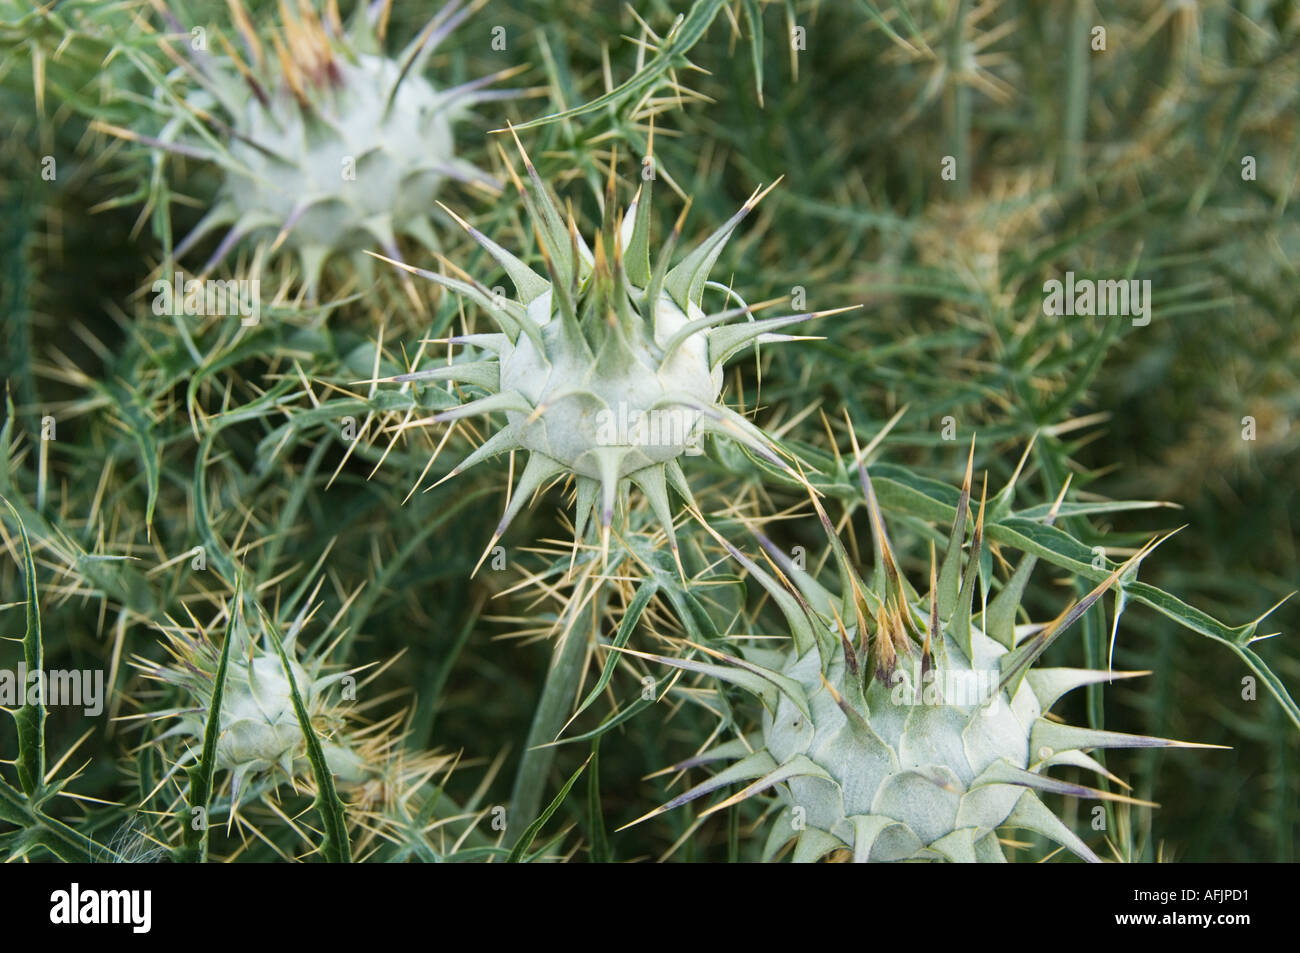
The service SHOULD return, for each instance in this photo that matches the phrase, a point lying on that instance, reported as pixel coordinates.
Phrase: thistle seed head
(925, 747)
(608, 367)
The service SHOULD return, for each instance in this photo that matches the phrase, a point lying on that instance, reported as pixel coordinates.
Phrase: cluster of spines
(883, 640)
(307, 50)
(593, 293)
(393, 790)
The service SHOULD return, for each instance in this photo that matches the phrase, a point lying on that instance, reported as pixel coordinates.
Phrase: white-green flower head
(327, 145)
(608, 368)
(259, 736)
(258, 722)
(894, 727)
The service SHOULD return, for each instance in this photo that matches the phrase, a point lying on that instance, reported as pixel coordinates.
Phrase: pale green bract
(609, 369)
(894, 728)
(342, 183)
(259, 736)
(329, 147)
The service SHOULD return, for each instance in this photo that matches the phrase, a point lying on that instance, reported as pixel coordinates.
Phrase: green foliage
(173, 477)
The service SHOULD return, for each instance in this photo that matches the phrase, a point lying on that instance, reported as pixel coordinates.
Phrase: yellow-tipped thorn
(454, 471)
(392, 261)
(459, 221)
(528, 163)
(491, 543)
(677, 558)
(514, 176)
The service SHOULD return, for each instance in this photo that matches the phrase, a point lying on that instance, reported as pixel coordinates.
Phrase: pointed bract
(610, 369)
(932, 745)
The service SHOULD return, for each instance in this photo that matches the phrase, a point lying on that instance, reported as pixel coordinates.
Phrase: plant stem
(959, 116)
(553, 708)
(1074, 119)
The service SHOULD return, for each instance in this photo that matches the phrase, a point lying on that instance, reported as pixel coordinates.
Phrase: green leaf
(628, 623)
(1066, 510)
(596, 816)
(335, 846)
(195, 841)
(526, 840)
(754, 16)
(37, 829)
(30, 718)
(670, 56)
(142, 432)
(613, 721)
(563, 678)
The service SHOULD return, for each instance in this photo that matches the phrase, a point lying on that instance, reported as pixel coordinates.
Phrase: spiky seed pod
(894, 727)
(260, 738)
(326, 145)
(609, 368)
(391, 791)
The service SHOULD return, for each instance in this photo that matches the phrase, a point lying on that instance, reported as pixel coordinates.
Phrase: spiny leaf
(631, 616)
(195, 838)
(334, 845)
(526, 840)
(30, 718)
(900, 490)
(670, 56)
(595, 815)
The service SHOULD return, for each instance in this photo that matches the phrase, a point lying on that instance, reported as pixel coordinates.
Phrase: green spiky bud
(896, 728)
(258, 723)
(608, 368)
(259, 736)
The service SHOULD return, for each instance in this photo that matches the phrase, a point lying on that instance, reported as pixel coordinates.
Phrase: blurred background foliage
(1124, 160)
